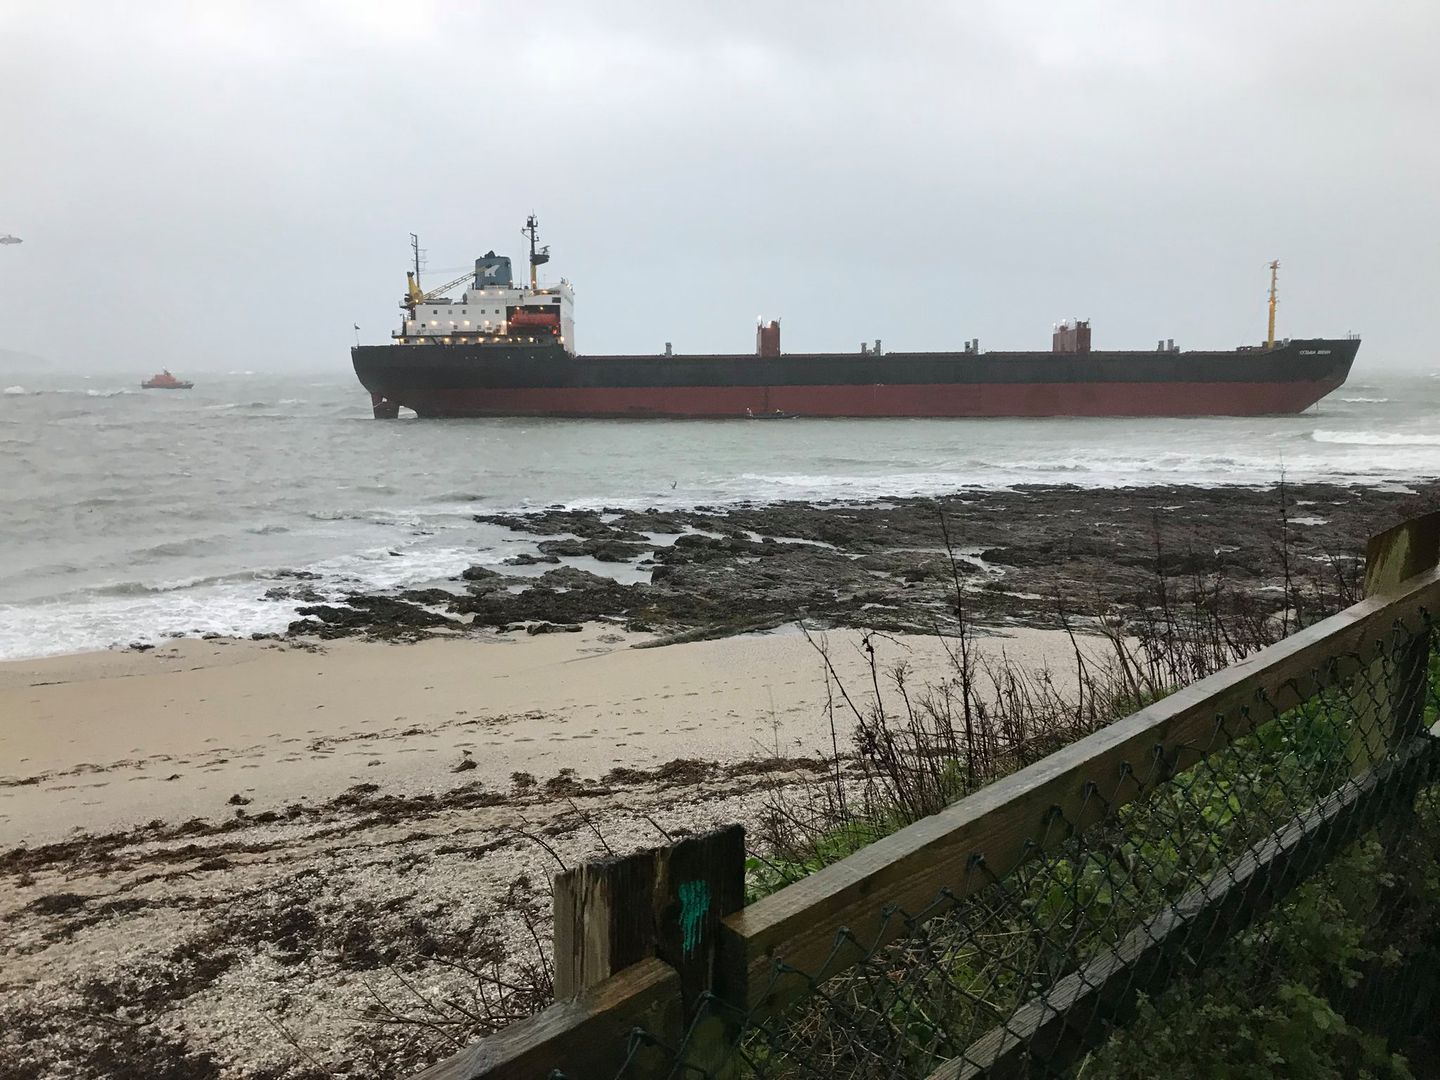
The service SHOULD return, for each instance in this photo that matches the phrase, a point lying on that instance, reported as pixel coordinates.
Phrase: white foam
(377, 568)
(95, 623)
(15, 391)
(233, 605)
(1375, 438)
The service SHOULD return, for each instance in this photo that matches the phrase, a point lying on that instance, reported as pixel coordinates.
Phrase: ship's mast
(537, 255)
(414, 295)
(1274, 271)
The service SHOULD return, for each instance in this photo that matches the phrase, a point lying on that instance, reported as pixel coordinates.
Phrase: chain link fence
(1184, 863)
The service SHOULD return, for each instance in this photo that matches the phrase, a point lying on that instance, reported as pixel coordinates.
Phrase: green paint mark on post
(694, 905)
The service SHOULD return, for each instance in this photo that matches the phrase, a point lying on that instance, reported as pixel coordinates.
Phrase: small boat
(776, 414)
(165, 381)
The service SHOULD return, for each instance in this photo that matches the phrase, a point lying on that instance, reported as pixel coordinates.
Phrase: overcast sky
(220, 185)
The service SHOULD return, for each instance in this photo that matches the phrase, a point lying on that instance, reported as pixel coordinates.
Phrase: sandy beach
(217, 840)
(107, 741)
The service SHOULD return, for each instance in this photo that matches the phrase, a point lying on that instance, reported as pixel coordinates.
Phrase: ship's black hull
(526, 380)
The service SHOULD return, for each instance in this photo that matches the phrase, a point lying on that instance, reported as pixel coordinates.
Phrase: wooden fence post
(586, 1037)
(1389, 695)
(661, 902)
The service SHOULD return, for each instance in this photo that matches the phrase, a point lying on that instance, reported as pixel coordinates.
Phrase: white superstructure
(493, 310)
(484, 316)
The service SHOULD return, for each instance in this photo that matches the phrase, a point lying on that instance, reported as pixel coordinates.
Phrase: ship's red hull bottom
(942, 400)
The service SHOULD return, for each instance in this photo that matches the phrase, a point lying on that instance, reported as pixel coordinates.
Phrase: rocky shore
(1021, 555)
(265, 860)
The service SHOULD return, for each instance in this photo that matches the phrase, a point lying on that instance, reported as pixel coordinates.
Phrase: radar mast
(537, 255)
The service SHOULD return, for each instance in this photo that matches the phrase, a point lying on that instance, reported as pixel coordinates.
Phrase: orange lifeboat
(165, 381)
(531, 319)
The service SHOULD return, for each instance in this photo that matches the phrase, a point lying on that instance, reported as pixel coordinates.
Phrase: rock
(432, 597)
(553, 628)
(569, 547)
(652, 521)
(695, 548)
(606, 550)
(380, 616)
(918, 565)
(541, 604)
(304, 593)
(480, 573)
(526, 558)
(582, 523)
(619, 550)
(571, 577)
(884, 565)
(1016, 556)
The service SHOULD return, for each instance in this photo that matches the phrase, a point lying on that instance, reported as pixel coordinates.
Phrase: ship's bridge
(494, 311)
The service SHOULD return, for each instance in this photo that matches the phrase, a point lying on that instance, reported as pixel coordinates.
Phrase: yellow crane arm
(414, 297)
(435, 294)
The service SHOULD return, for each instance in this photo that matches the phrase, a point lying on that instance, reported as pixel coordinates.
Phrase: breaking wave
(147, 588)
(18, 391)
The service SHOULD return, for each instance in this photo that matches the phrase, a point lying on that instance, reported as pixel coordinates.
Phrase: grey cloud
(226, 185)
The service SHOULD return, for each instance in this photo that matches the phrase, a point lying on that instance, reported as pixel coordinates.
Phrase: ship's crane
(1274, 273)
(414, 297)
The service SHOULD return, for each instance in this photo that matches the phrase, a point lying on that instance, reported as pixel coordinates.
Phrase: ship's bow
(1330, 361)
(372, 364)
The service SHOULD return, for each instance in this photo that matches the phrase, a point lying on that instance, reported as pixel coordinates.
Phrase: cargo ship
(507, 348)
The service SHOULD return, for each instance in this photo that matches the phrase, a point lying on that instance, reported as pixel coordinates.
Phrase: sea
(128, 516)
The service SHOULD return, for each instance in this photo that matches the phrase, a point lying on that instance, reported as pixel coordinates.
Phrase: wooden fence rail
(638, 939)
